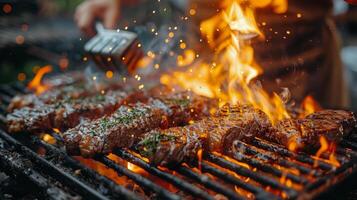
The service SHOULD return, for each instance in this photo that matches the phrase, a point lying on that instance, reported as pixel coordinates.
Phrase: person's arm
(106, 11)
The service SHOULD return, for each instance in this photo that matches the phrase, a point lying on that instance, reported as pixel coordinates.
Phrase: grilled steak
(30, 119)
(129, 123)
(216, 133)
(63, 114)
(305, 133)
(49, 97)
(78, 90)
(59, 84)
(345, 119)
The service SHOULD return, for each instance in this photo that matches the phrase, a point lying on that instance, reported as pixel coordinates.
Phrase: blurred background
(34, 33)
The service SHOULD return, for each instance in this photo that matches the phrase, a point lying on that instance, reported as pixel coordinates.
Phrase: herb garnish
(126, 118)
(182, 101)
(148, 146)
(100, 97)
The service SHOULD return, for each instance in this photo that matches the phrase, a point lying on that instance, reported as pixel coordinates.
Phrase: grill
(31, 167)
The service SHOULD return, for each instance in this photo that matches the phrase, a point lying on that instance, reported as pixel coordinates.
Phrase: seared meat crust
(334, 125)
(55, 94)
(64, 114)
(216, 133)
(49, 97)
(129, 123)
(117, 130)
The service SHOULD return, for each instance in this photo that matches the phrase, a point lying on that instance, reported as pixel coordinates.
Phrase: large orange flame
(229, 76)
(36, 84)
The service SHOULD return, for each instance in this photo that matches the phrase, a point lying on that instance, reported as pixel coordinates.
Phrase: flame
(333, 160)
(56, 130)
(186, 59)
(323, 148)
(283, 178)
(330, 149)
(308, 106)
(49, 139)
(103, 170)
(292, 145)
(229, 76)
(36, 84)
(332, 157)
(135, 168)
(279, 6)
(242, 164)
(199, 157)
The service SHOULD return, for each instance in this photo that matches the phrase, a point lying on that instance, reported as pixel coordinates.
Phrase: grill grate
(55, 173)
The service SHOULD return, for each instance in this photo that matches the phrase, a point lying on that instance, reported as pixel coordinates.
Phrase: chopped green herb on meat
(107, 123)
(148, 146)
(181, 102)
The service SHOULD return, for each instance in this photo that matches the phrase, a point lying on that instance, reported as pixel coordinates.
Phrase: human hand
(86, 14)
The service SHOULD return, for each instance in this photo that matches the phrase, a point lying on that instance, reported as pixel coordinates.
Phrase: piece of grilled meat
(130, 122)
(49, 97)
(117, 130)
(61, 85)
(334, 125)
(65, 113)
(216, 133)
(78, 90)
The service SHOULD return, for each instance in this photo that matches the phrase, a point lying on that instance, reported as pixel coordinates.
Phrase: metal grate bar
(2, 118)
(284, 152)
(267, 168)
(115, 188)
(19, 87)
(258, 192)
(266, 155)
(248, 173)
(349, 144)
(5, 99)
(8, 91)
(330, 177)
(207, 182)
(11, 162)
(187, 187)
(56, 136)
(140, 180)
(53, 170)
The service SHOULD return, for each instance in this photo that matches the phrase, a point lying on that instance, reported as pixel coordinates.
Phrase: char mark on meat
(334, 125)
(117, 130)
(63, 114)
(78, 90)
(49, 97)
(216, 133)
(127, 124)
(59, 84)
